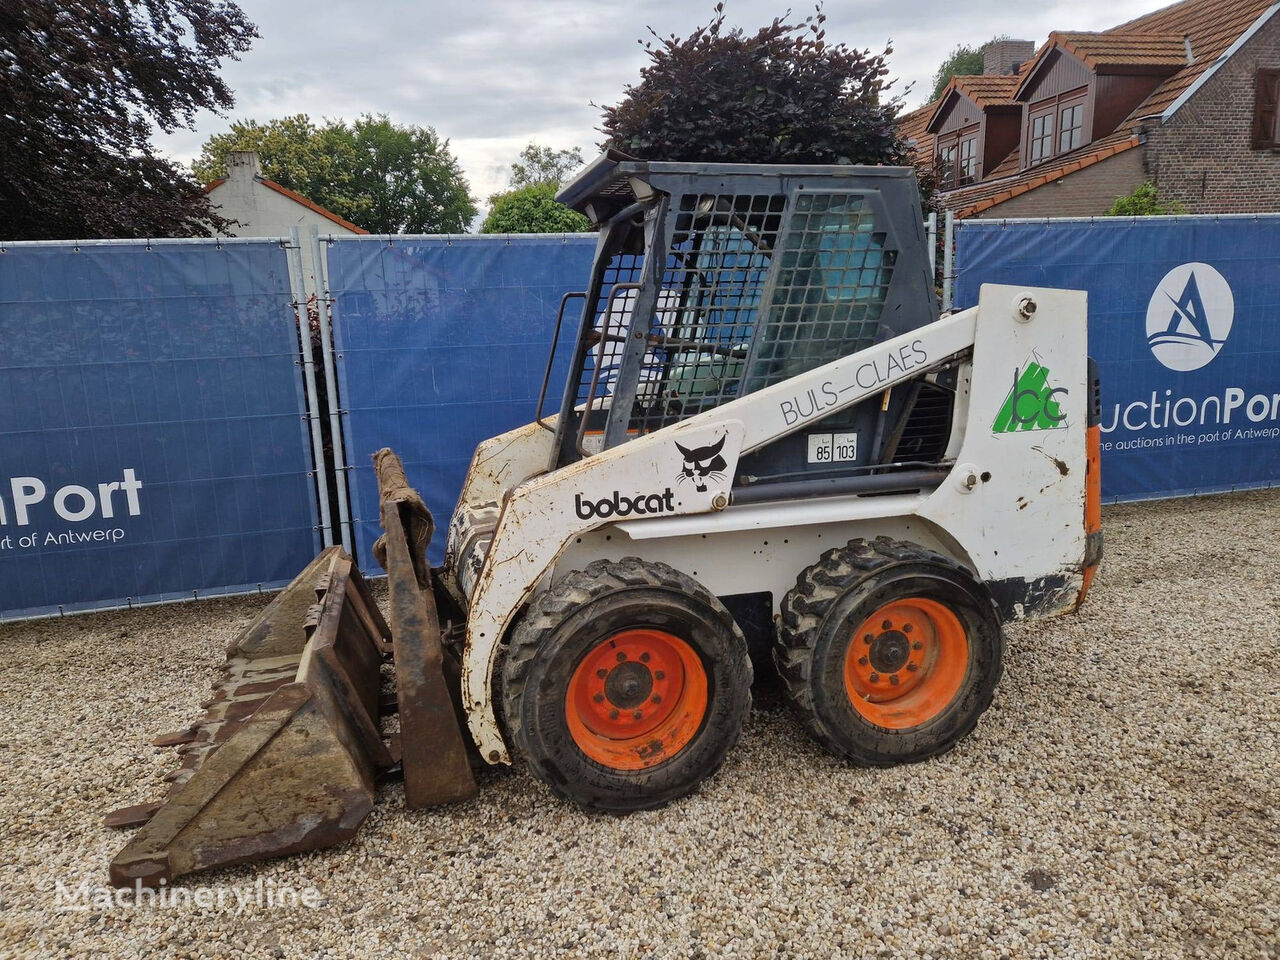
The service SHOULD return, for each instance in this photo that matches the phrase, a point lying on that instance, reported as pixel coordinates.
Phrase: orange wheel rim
(905, 663)
(636, 699)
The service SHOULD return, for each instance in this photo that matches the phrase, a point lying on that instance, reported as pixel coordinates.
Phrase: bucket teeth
(285, 754)
(134, 816)
(175, 738)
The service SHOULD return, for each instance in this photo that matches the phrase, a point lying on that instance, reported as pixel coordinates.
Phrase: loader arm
(545, 515)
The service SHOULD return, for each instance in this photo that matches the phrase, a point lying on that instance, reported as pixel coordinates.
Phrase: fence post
(324, 304)
(931, 229)
(948, 260)
(297, 284)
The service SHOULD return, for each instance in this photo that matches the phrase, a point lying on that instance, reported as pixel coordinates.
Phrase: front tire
(625, 685)
(889, 652)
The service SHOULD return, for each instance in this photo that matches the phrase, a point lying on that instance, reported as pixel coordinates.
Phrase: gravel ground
(1118, 799)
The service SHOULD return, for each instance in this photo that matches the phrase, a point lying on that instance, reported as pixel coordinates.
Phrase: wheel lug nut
(602, 674)
(613, 714)
(659, 675)
(644, 658)
(621, 656)
(874, 678)
(894, 680)
(917, 645)
(862, 661)
(887, 625)
(656, 699)
(599, 698)
(638, 715)
(913, 666)
(868, 638)
(907, 628)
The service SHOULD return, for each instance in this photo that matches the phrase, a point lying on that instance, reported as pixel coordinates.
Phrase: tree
(382, 176)
(963, 61)
(532, 209)
(529, 205)
(780, 95)
(81, 85)
(1144, 201)
(317, 162)
(537, 165)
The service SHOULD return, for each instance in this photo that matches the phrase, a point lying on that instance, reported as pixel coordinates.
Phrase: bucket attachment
(286, 756)
(433, 751)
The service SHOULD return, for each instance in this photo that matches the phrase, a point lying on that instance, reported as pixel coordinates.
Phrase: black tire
(575, 619)
(836, 595)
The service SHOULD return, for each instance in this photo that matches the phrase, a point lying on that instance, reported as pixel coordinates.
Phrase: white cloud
(493, 75)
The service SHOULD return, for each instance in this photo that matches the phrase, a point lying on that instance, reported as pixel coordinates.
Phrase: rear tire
(889, 652)
(625, 685)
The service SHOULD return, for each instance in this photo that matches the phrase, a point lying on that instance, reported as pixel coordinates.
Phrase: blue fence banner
(441, 344)
(153, 444)
(1184, 321)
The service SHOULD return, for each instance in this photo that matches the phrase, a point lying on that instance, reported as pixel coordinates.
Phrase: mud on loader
(766, 434)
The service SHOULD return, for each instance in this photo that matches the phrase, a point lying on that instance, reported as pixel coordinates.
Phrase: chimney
(243, 165)
(1003, 57)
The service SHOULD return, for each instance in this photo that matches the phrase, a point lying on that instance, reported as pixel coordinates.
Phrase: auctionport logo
(1189, 317)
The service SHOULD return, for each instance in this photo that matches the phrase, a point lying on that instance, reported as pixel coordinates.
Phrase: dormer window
(975, 126)
(1041, 144)
(967, 160)
(1071, 126)
(958, 159)
(1056, 126)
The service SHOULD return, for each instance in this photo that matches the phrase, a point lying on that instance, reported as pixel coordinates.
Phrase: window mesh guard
(706, 346)
(717, 267)
(613, 318)
(833, 277)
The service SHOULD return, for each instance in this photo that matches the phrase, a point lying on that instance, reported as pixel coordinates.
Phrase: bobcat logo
(701, 463)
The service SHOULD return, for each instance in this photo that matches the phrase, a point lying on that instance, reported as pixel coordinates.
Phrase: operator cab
(711, 281)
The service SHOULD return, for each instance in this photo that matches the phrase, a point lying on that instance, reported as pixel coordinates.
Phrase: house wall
(1085, 193)
(1061, 73)
(263, 212)
(1117, 96)
(1002, 134)
(961, 112)
(1202, 156)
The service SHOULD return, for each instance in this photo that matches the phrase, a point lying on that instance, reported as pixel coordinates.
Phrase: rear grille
(928, 429)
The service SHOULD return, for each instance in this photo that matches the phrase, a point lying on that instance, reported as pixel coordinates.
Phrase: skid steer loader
(766, 430)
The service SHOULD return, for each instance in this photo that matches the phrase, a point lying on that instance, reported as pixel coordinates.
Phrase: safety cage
(711, 281)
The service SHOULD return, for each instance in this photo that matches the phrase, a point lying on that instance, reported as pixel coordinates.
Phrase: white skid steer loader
(767, 438)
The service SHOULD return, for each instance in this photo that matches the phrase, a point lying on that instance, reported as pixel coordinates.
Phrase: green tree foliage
(81, 84)
(379, 175)
(529, 206)
(1144, 201)
(537, 165)
(963, 61)
(780, 95)
(532, 209)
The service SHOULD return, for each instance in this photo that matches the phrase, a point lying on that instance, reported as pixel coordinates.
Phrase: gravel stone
(1119, 799)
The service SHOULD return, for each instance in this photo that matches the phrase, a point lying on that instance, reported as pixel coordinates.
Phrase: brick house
(1185, 97)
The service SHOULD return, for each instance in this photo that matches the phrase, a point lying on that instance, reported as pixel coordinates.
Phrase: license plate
(833, 447)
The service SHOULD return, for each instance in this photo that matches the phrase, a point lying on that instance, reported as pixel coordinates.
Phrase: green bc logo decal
(1032, 404)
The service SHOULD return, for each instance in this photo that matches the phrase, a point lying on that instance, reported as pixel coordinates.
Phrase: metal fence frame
(298, 296)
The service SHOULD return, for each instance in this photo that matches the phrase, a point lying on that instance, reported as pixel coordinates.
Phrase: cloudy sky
(493, 75)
